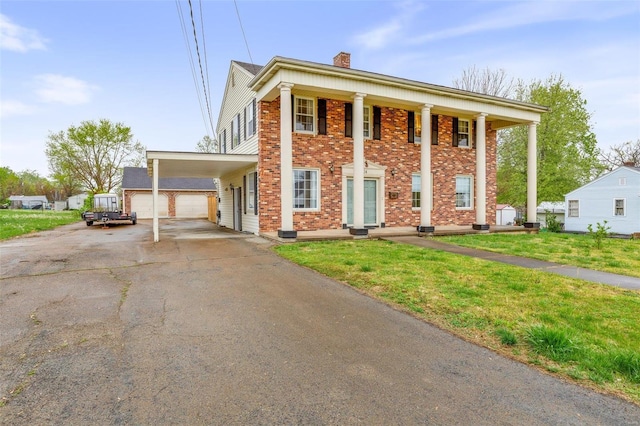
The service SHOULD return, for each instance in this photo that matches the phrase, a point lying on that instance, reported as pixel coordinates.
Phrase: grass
(20, 222)
(578, 330)
(618, 256)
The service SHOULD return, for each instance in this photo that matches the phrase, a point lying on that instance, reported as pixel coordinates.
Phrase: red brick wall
(392, 151)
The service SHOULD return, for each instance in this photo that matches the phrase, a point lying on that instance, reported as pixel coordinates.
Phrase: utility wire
(193, 70)
(204, 87)
(204, 48)
(243, 35)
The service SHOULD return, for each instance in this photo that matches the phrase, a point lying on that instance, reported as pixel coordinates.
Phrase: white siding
(237, 96)
(596, 203)
(250, 221)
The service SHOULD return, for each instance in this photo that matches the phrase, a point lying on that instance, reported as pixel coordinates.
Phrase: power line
(243, 35)
(204, 87)
(192, 65)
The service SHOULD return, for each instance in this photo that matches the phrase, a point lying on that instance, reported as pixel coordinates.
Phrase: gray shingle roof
(137, 178)
(252, 68)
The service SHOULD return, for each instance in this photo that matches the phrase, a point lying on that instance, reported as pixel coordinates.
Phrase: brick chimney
(342, 60)
(629, 164)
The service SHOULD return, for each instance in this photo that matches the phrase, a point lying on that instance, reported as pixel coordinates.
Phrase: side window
(250, 121)
(464, 195)
(250, 193)
(574, 208)
(415, 190)
(619, 207)
(366, 122)
(235, 131)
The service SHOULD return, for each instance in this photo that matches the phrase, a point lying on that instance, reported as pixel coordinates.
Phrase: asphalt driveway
(210, 327)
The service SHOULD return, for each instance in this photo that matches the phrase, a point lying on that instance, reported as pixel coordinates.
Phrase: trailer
(106, 210)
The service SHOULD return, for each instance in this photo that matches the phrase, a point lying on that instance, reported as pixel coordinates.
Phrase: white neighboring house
(555, 208)
(505, 214)
(614, 197)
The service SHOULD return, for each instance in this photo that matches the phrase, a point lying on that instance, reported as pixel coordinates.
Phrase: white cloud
(388, 33)
(53, 88)
(19, 39)
(10, 107)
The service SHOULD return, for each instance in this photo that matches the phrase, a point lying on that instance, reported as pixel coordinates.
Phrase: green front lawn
(616, 255)
(19, 222)
(579, 330)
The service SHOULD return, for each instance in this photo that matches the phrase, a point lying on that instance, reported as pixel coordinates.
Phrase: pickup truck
(106, 210)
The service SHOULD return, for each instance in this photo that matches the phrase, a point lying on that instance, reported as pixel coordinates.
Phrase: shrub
(601, 232)
(553, 225)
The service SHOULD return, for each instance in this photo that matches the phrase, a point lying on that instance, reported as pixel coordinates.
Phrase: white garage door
(142, 204)
(192, 206)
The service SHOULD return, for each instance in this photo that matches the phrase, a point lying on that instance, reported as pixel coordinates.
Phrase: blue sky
(127, 61)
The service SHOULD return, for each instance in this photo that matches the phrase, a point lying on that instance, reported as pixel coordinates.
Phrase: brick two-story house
(309, 146)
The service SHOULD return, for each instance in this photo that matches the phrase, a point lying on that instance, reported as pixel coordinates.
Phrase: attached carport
(190, 165)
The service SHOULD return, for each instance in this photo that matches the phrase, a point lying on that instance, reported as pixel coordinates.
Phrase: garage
(142, 204)
(191, 206)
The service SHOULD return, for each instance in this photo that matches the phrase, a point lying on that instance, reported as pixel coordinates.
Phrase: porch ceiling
(196, 164)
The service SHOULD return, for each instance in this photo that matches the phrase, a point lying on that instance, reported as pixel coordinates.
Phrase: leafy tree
(93, 154)
(486, 81)
(207, 144)
(567, 152)
(627, 152)
(9, 184)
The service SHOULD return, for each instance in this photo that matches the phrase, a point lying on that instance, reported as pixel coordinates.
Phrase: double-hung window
(235, 131)
(223, 142)
(464, 130)
(574, 208)
(366, 118)
(250, 119)
(304, 115)
(619, 207)
(416, 185)
(464, 195)
(305, 189)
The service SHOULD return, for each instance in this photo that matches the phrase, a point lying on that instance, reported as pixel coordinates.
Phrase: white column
(154, 190)
(286, 161)
(481, 170)
(425, 169)
(358, 161)
(532, 173)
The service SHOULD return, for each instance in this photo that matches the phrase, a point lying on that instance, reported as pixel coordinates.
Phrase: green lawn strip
(618, 256)
(584, 331)
(19, 222)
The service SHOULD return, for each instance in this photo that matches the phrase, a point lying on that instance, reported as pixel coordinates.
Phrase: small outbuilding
(552, 208)
(505, 214)
(614, 197)
(177, 197)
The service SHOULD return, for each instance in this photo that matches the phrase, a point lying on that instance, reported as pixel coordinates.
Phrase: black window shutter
(322, 116)
(224, 141)
(377, 118)
(293, 113)
(411, 127)
(455, 131)
(255, 193)
(244, 200)
(255, 117)
(244, 126)
(348, 120)
(472, 134)
(434, 129)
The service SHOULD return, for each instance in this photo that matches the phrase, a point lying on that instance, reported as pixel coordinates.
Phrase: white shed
(614, 197)
(76, 202)
(505, 214)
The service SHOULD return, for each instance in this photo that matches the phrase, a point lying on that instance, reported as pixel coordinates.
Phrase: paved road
(106, 327)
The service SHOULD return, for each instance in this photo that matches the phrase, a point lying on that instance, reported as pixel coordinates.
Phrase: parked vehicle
(106, 210)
